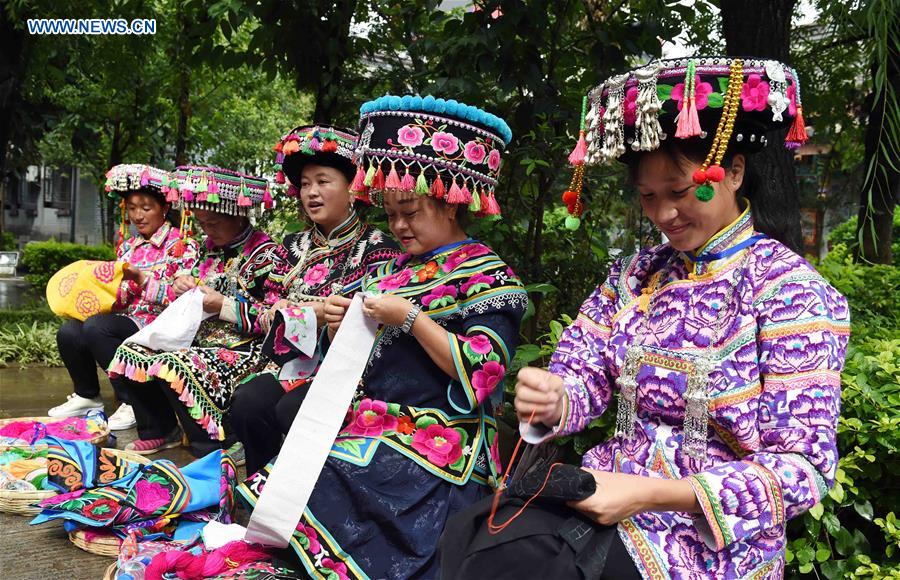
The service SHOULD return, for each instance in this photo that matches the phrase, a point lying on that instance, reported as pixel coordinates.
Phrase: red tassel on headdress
(576, 157)
(407, 183)
(493, 208)
(363, 196)
(279, 177)
(485, 202)
(267, 198)
(797, 133)
(378, 180)
(465, 194)
(278, 147)
(329, 146)
(357, 185)
(393, 179)
(437, 189)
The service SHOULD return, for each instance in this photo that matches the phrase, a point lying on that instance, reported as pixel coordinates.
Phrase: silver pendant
(627, 382)
(696, 417)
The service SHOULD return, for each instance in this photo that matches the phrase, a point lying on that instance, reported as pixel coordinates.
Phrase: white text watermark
(91, 26)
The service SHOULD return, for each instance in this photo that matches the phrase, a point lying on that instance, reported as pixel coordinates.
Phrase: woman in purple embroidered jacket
(234, 263)
(724, 346)
(420, 442)
(328, 258)
(153, 256)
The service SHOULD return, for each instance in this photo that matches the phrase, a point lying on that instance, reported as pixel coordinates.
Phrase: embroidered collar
(158, 238)
(421, 258)
(343, 233)
(726, 241)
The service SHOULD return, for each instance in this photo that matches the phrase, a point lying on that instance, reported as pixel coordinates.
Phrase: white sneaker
(122, 419)
(76, 406)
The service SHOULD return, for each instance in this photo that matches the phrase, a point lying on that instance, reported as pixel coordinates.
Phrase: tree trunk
(762, 29)
(881, 188)
(12, 65)
(184, 90)
(109, 206)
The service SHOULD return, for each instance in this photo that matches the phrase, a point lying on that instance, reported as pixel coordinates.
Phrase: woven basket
(99, 439)
(20, 502)
(111, 572)
(100, 543)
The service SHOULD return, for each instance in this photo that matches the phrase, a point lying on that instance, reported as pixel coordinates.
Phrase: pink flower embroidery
(474, 152)
(701, 93)
(486, 378)
(312, 536)
(339, 568)
(394, 281)
(630, 112)
(444, 142)
(150, 496)
(371, 419)
(280, 346)
(476, 280)
(227, 356)
(62, 498)
(410, 136)
(440, 445)
(755, 94)
(316, 275)
(465, 253)
(495, 452)
(479, 343)
(493, 160)
(441, 295)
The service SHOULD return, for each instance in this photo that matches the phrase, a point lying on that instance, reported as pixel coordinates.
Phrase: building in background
(46, 202)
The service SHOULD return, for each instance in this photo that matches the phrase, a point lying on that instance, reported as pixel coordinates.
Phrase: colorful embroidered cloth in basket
(84, 288)
(157, 500)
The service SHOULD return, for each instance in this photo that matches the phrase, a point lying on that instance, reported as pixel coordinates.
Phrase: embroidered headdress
(219, 190)
(733, 102)
(320, 144)
(127, 177)
(442, 148)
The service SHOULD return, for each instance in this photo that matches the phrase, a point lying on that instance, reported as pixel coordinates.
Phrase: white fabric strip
(313, 432)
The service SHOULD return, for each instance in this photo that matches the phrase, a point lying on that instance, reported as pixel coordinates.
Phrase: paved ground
(44, 551)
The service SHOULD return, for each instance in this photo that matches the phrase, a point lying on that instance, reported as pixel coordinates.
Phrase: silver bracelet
(410, 319)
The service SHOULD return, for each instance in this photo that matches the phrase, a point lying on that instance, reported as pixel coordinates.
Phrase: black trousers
(85, 345)
(261, 414)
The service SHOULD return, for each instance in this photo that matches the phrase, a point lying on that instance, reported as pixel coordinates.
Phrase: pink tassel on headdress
(187, 195)
(393, 179)
(357, 186)
(576, 157)
(314, 144)
(465, 194)
(407, 184)
(267, 198)
(172, 195)
(437, 189)
(145, 177)
(493, 206)
(688, 120)
(279, 177)
(455, 194)
(213, 186)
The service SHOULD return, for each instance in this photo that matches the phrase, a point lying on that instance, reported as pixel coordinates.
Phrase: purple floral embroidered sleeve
(802, 337)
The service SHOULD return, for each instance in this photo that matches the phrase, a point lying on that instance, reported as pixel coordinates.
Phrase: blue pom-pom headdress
(431, 146)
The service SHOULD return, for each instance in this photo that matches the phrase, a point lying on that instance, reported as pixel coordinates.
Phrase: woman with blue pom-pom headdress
(420, 441)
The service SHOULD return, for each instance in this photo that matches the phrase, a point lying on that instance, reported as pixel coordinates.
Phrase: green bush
(7, 242)
(43, 259)
(846, 234)
(27, 316)
(25, 345)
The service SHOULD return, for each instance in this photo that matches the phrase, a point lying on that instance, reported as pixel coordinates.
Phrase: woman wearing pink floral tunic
(724, 346)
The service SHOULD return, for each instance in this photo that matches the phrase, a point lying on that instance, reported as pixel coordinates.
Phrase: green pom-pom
(705, 192)
(573, 223)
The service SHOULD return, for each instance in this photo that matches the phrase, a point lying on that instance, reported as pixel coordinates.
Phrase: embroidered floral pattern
(395, 281)
(441, 445)
(151, 495)
(702, 91)
(410, 135)
(486, 379)
(474, 152)
(316, 275)
(371, 419)
(446, 143)
(755, 94)
(443, 295)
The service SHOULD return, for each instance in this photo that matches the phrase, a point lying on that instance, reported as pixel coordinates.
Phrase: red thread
(205, 565)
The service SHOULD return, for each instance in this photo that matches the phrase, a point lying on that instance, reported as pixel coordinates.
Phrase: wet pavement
(44, 551)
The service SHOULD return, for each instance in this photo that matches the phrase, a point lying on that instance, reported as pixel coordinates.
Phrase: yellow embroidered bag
(84, 288)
